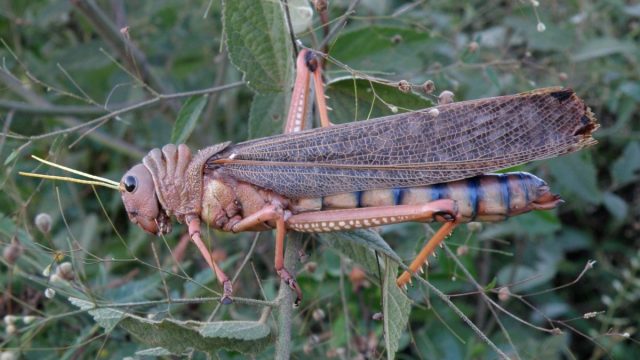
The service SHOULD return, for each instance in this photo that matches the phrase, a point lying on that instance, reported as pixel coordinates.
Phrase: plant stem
(285, 299)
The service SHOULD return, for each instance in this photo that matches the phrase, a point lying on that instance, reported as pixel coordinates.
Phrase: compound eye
(130, 183)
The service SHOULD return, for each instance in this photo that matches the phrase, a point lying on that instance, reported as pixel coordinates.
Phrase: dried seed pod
(12, 252)
(311, 266)
(404, 86)
(43, 222)
(65, 271)
(358, 278)
(428, 87)
(504, 294)
(445, 97)
(318, 315)
(473, 47)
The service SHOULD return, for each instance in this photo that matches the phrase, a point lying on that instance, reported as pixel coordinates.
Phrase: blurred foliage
(65, 63)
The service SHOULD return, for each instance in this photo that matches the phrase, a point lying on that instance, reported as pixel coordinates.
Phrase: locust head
(141, 202)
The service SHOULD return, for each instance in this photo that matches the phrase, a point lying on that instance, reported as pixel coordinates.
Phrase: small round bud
(396, 39)
(473, 47)
(9, 319)
(49, 293)
(65, 271)
(462, 250)
(504, 294)
(563, 76)
(28, 319)
(11, 329)
(56, 279)
(626, 335)
(7, 355)
(434, 112)
(358, 278)
(43, 222)
(377, 316)
(428, 87)
(535, 3)
(12, 252)
(404, 86)
(393, 108)
(541, 27)
(318, 315)
(311, 266)
(320, 5)
(474, 226)
(590, 315)
(445, 97)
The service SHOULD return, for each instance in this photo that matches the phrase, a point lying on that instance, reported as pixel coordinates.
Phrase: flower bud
(318, 315)
(43, 222)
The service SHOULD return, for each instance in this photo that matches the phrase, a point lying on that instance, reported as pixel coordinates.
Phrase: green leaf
(187, 119)
(359, 246)
(576, 174)
(597, 48)
(259, 44)
(156, 351)
(396, 308)
(359, 99)
(626, 168)
(616, 206)
(394, 50)
(268, 114)
(176, 336)
(243, 330)
(105, 317)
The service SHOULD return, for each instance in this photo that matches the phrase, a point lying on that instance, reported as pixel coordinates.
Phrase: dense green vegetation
(172, 71)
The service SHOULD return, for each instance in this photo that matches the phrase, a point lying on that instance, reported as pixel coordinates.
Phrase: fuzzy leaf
(359, 246)
(179, 336)
(259, 44)
(187, 119)
(396, 309)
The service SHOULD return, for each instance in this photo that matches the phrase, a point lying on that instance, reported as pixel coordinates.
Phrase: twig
(49, 109)
(285, 299)
(129, 52)
(137, 106)
(340, 24)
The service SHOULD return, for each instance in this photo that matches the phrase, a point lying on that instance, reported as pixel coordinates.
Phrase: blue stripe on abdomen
(473, 189)
(438, 191)
(505, 193)
(397, 196)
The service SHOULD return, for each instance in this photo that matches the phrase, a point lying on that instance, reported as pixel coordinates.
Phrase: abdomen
(491, 197)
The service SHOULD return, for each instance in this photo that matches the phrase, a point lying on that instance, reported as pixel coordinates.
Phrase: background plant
(160, 71)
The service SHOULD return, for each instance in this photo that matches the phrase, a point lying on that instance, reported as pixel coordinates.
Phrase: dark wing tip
(562, 95)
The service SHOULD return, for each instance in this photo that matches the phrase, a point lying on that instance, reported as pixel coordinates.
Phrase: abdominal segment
(491, 197)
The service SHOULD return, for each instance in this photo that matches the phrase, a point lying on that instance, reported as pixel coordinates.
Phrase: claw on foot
(293, 284)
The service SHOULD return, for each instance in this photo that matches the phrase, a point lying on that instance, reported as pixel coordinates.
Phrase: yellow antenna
(97, 180)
